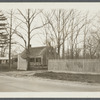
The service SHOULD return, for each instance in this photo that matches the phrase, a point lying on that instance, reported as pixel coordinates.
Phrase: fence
(80, 65)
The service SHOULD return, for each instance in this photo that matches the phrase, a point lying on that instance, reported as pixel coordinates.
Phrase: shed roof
(14, 56)
(34, 52)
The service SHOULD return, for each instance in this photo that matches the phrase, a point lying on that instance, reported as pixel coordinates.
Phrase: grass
(90, 78)
(70, 77)
(5, 67)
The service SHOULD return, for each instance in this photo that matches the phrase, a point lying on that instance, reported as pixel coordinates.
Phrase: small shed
(39, 55)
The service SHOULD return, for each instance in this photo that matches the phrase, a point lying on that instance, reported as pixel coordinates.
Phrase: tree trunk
(10, 41)
(63, 53)
(58, 51)
(84, 47)
(72, 45)
(28, 50)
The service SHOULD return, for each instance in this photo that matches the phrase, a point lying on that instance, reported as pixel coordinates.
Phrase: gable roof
(14, 56)
(34, 52)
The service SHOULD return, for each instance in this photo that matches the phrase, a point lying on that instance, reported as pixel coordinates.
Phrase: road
(12, 84)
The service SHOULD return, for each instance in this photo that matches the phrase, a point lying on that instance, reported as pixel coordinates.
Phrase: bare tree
(11, 28)
(85, 31)
(95, 33)
(56, 30)
(87, 35)
(92, 47)
(77, 26)
(28, 28)
(94, 43)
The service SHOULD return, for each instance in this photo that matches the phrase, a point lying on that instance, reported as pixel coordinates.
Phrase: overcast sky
(93, 8)
(84, 6)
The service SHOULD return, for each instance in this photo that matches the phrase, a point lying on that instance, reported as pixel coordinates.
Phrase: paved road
(11, 84)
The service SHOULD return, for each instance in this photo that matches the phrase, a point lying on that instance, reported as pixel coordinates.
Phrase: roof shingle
(34, 52)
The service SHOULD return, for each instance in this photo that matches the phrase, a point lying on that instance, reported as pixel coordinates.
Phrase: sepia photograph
(49, 47)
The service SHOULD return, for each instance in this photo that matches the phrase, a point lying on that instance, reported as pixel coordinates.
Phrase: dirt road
(12, 84)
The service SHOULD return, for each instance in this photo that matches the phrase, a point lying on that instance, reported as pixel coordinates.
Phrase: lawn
(90, 78)
(5, 67)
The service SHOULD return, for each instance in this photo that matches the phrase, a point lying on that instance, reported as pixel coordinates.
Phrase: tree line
(73, 34)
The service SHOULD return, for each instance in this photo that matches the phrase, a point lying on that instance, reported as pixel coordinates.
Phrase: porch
(36, 61)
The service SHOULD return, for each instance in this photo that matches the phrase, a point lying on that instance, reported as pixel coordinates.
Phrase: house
(4, 60)
(38, 56)
(15, 58)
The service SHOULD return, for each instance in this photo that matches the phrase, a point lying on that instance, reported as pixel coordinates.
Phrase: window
(32, 60)
(15, 59)
(38, 59)
(6, 61)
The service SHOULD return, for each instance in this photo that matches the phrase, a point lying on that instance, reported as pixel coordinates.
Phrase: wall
(85, 66)
(22, 63)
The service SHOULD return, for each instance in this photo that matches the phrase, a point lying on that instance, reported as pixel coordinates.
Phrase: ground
(89, 78)
(80, 77)
(29, 83)
(45, 81)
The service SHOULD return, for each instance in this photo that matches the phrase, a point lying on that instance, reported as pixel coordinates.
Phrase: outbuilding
(38, 56)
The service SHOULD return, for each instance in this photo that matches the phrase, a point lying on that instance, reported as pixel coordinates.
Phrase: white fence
(80, 65)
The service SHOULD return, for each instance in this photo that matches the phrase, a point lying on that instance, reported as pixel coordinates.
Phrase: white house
(4, 60)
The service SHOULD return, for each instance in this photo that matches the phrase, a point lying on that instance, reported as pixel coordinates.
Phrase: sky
(92, 7)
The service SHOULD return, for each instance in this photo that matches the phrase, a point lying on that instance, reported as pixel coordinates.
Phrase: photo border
(48, 95)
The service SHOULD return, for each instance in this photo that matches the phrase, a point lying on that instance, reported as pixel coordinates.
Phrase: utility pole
(10, 40)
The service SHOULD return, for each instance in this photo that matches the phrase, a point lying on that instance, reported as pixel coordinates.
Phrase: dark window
(15, 59)
(38, 59)
(6, 61)
(32, 60)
